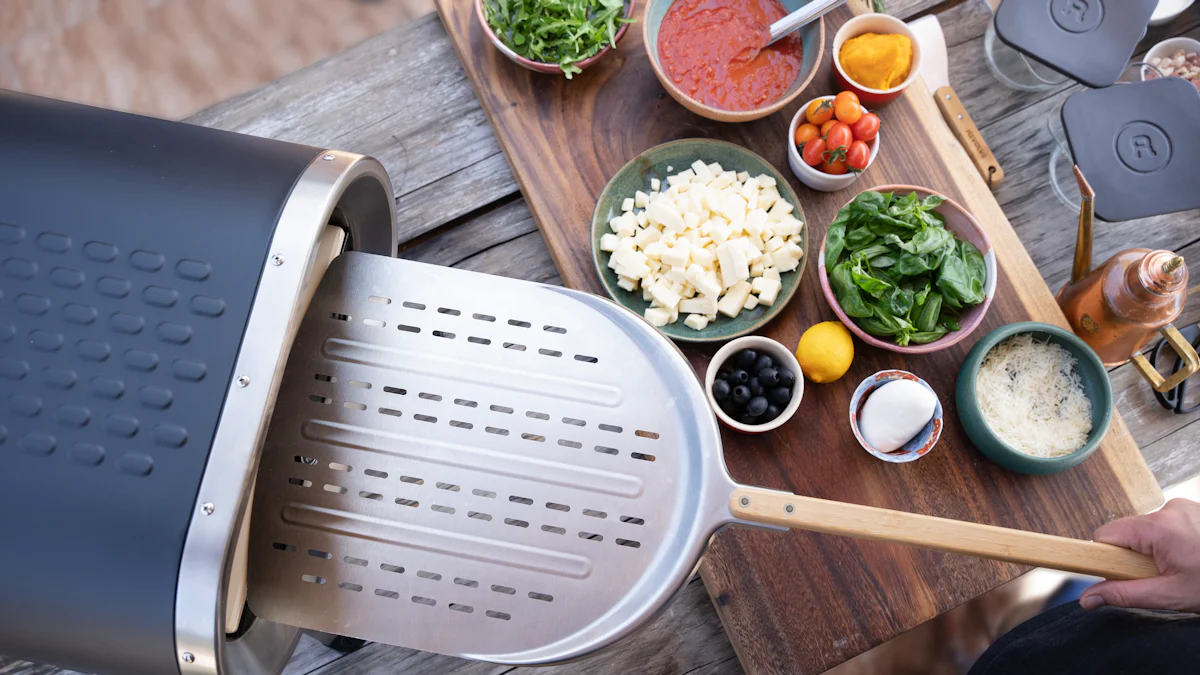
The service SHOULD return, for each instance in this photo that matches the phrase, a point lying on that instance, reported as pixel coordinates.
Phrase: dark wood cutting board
(799, 602)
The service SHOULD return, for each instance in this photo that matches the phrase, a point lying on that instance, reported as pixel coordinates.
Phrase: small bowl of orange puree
(705, 54)
(881, 61)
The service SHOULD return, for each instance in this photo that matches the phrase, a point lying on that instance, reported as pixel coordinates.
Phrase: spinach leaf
(883, 261)
(860, 238)
(847, 293)
(976, 267)
(912, 265)
(955, 282)
(863, 278)
(835, 238)
(899, 302)
(925, 337)
(931, 310)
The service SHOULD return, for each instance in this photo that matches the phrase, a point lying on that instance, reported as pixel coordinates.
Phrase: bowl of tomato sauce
(705, 53)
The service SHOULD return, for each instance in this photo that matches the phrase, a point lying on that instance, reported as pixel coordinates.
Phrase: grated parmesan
(1032, 398)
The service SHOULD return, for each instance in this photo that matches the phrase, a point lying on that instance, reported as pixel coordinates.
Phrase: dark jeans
(1068, 641)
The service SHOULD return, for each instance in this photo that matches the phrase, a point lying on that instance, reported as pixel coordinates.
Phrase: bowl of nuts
(1176, 57)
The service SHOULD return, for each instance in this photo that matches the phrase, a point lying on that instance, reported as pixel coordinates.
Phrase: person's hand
(1172, 536)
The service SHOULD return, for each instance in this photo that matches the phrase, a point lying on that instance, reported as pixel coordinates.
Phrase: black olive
(763, 361)
(777, 395)
(730, 408)
(740, 395)
(722, 375)
(720, 389)
(786, 377)
(739, 377)
(768, 376)
(757, 406)
(756, 387)
(745, 359)
(747, 419)
(772, 413)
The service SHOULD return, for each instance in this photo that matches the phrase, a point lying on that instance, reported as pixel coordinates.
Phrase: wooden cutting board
(799, 602)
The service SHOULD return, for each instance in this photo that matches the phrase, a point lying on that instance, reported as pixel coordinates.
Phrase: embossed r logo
(1142, 147)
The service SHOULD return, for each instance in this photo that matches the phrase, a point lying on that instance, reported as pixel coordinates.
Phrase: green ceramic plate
(680, 155)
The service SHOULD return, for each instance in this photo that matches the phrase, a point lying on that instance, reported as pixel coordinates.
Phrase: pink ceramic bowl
(884, 25)
(538, 65)
(964, 226)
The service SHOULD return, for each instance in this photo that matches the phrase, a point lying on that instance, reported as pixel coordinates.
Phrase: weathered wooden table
(402, 97)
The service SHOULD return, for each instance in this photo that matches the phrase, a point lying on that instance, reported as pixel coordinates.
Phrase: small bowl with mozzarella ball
(768, 355)
(896, 416)
(1034, 398)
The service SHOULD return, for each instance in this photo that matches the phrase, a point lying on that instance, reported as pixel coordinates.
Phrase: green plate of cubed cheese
(702, 238)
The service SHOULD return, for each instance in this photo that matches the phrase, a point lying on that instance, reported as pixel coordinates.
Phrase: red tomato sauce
(704, 45)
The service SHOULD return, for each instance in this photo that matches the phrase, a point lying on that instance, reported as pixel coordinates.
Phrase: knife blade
(935, 70)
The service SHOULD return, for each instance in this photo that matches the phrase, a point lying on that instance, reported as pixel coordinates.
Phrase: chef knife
(935, 70)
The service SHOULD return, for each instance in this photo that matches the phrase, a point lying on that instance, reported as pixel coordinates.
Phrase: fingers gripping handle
(940, 534)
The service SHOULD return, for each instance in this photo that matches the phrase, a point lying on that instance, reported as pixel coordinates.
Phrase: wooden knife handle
(968, 135)
(940, 534)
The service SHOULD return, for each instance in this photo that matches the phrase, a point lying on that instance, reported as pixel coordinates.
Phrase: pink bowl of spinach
(907, 269)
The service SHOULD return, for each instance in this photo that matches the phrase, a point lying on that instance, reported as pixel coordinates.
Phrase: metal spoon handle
(803, 16)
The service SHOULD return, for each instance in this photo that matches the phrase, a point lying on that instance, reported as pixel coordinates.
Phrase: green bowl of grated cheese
(1034, 398)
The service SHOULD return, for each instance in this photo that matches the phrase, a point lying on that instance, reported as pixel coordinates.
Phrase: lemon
(825, 352)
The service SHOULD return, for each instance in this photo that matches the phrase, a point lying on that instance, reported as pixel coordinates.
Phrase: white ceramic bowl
(811, 176)
(883, 25)
(1168, 47)
(762, 345)
(1168, 10)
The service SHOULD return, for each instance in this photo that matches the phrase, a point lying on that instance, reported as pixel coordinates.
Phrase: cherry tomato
(806, 132)
(835, 165)
(847, 108)
(826, 127)
(858, 155)
(866, 128)
(812, 152)
(838, 136)
(820, 111)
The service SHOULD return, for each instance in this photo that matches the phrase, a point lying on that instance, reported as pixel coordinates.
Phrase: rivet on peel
(744, 501)
(243, 381)
(208, 508)
(328, 158)
(277, 260)
(188, 658)
(789, 508)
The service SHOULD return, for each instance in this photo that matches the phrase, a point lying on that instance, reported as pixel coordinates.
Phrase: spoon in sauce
(797, 19)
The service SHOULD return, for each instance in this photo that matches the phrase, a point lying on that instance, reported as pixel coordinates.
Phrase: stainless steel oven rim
(340, 187)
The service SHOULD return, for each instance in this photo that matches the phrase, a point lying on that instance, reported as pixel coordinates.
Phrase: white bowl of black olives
(754, 384)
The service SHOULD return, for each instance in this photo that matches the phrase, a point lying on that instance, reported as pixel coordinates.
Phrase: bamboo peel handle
(940, 534)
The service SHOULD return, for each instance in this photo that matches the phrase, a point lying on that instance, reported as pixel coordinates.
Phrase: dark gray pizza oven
(152, 279)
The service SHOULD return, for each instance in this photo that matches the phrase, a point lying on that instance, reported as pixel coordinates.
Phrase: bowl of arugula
(907, 269)
(565, 36)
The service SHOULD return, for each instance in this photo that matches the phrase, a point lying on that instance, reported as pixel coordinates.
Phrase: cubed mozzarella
(696, 321)
(627, 204)
(778, 210)
(703, 175)
(751, 302)
(723, 181)
(701, 304)
(657, 316)
(609, 242)
(774, 244)
(627, 283)
(663, 212)
(743, 176)
(771, 273)
(734, 299)
(678, 255)
(766, 289)
(655, 184)
(702, 256)
(666, 297)
(732, 259)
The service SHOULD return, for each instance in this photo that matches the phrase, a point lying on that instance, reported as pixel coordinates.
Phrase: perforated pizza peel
(517, 473)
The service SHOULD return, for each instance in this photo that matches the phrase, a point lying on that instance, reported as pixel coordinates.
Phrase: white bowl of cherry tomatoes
(831, 141)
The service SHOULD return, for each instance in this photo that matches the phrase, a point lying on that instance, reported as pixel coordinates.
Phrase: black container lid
(1088, 40)
(1138, 145)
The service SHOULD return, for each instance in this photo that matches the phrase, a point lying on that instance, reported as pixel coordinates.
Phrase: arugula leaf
(563, 32)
